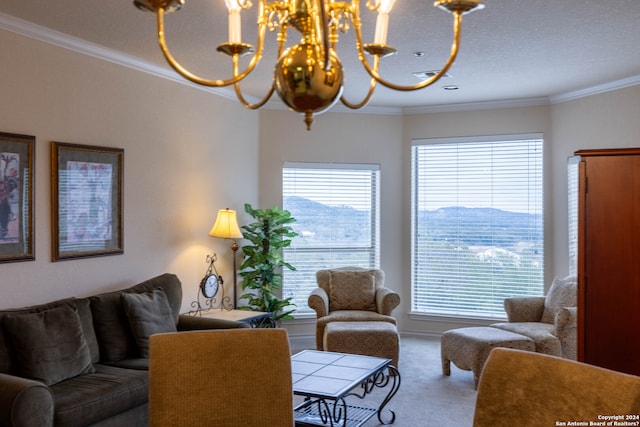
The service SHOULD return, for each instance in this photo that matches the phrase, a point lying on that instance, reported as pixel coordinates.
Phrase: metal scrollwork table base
(327, 379)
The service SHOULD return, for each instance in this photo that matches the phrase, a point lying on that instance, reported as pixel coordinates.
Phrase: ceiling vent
(424, 75)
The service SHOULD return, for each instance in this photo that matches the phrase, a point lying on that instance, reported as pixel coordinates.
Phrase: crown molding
(526, 102)
(65, 41)
(484, 105)
(595, 90)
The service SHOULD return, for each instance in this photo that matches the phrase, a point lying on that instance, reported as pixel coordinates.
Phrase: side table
(256, 319)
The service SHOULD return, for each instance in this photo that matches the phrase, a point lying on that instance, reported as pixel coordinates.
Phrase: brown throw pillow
(50, 345)
(148, 313)
(352, 290)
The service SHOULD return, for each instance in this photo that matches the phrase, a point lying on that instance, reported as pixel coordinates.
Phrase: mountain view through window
(477, 224)
(336, 212)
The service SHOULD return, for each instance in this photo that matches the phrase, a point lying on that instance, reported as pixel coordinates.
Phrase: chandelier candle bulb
(235, 31)
(382, 21)
(382, 26)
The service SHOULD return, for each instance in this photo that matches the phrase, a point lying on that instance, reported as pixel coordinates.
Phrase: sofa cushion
(352, 290)
(91, 398)
(137, 363)
(171, 286)
(86, 320)
(563, 293)
(148, 313)
(112, 328)
(50, 345)
(8, 363)
(112, 325)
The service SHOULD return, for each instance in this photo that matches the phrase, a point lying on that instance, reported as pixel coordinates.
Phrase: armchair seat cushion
(541, 333)
(355, 316)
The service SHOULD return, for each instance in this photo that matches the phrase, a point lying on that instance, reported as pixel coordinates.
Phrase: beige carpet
(426, 398)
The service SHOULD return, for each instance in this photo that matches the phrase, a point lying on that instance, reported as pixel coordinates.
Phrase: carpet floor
(426, 397)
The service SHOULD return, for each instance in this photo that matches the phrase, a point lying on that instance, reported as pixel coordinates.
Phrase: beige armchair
(550, 321)
(226, 378)
(530, 390)
(351, 294)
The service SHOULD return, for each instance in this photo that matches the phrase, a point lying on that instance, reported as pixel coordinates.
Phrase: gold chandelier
(308, 76)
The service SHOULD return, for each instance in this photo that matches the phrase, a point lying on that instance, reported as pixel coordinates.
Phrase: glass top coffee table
(327, 379)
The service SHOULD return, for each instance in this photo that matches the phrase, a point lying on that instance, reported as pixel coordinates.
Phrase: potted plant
(261, 268)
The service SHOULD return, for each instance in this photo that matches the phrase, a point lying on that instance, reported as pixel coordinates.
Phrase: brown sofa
(84, 362)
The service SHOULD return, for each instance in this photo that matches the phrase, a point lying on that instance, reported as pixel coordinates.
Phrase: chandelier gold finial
(308, 76)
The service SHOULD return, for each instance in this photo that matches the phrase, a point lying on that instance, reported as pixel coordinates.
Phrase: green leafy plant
(263, 262)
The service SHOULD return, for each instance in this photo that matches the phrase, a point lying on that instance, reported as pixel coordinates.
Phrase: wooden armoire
(609, 259)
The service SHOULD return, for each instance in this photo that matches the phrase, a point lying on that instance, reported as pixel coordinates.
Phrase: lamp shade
(226, 225)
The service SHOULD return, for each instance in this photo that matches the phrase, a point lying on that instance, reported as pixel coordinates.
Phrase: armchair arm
(566, 329)
(319, 301)
(195, 323)
(524, 309)
(566, 319)
(24, 402)
(386, 300)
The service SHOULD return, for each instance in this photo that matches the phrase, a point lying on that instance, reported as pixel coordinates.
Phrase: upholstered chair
(530, 389)
(226, 378)
(351, 294)
(550, 321)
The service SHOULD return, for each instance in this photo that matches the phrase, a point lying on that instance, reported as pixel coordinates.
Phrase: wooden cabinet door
(609, 261)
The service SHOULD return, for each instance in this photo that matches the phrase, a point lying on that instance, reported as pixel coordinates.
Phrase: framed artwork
(87, 200)
(16, 197)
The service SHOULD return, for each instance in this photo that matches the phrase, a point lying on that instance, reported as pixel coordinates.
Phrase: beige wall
(608, 120)
(187, 153)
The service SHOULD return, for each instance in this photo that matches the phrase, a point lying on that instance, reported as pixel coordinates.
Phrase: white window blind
(336, 212)
(477, 224)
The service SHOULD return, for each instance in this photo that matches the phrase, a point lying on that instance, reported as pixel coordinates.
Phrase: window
(336, 212)
(477, 224)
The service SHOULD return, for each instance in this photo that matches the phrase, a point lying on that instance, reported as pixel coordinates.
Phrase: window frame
(372, 249)
(457, 314)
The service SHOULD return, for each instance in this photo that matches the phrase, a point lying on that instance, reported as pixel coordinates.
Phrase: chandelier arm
(364, 102)
(372, 87)
(457, 22)
(272, 89)
(248, 104)
(199, 80)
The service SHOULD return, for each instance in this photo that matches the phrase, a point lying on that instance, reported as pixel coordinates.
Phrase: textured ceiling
(511, 50)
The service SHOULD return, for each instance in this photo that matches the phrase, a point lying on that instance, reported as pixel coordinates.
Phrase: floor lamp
(226, 227)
